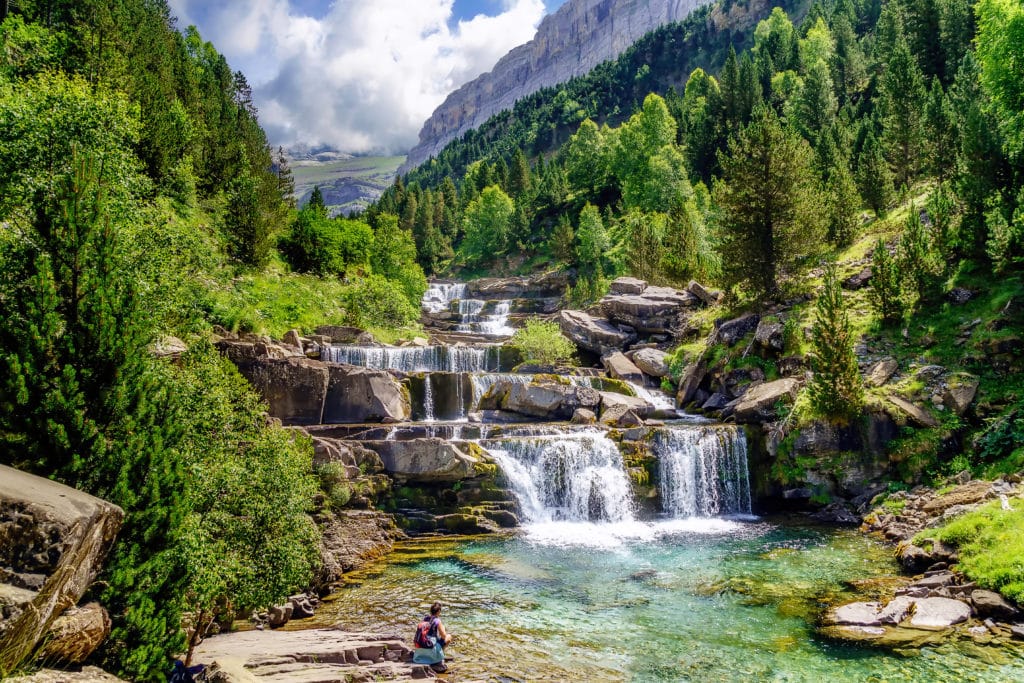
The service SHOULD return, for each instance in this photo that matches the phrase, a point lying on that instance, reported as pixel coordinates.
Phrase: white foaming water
(440, 295)
(440, 358)
(617, 534)
(472, 319)
(566, 477)
(657, 398)
(703, 470)
(428, 400)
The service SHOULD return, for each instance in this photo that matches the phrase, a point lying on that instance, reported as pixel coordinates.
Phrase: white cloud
(364, 77)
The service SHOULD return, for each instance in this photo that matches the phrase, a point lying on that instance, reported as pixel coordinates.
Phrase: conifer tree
(285, 179)
(836, 389)
(874, 177)
(915, 256)
(563, 241)
(902, 106)
(843, 205)
(886, 293)
(316, 199)
(80, 401)
(592, 242)
(769, 206)
(645, 243)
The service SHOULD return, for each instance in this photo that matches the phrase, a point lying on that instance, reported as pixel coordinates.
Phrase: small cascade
(472, 318)
(573, 476)
(482, 383)
(428, 401)
(439, 358)
(656, 397)
(440, 295)
(703, 470)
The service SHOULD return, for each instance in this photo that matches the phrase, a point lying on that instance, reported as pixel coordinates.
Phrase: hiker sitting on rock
(430, 640)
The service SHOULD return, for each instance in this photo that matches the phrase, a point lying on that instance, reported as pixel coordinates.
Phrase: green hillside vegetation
(139, 199)
(870, 133)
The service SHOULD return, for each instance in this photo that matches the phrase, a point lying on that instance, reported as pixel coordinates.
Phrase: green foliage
(541, 341)
(1001, 54)
(82, 402)
(886, 293)
(246, 541)
(990, 543)
(902, 108)
(835, 389)
(334, 483)
(843, 203)
(563, 241)
(374, 300)
(768, 201)
(645, 234)
(874, 177)
(325, 246)
(915, 257)
(486, 225)
(252, 214)
(393, 256)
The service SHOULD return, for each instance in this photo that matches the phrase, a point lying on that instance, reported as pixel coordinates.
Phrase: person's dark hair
(435, 609)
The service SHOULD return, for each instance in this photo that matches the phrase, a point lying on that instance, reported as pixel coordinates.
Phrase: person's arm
(442, 634)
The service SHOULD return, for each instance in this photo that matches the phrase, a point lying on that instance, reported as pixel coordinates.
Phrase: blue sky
(359, 75)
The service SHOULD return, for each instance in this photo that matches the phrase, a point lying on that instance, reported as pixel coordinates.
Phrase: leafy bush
(541, 341)
(334, 483)
(376, 301)
(325, 246)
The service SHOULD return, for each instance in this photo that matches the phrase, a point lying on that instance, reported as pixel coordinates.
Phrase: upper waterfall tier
(439, 358)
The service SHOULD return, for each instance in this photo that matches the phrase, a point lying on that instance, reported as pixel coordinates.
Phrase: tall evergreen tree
(902, 107)
(886, 293)
(843, 203)
(836, 389)
(769, 206)
(874, 177)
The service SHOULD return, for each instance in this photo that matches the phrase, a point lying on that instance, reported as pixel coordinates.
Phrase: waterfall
(439, 358)
(428, 400)
(473, 320)
(440, 295)
(703, 470)
(575, 476)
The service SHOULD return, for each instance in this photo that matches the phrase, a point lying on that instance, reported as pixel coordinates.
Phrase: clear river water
(592, 588)
(682, 600)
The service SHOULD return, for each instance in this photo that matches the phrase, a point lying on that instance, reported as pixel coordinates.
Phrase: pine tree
(902, 106)
(940, 125)
(285, 179)
(843, 205)
(519, 175)
(874, 177)
(81, 401)
(563, 241)
(769, 206)
(836, 389)
(316, 200)
(915, 256)
(645, 243)
(886, 293)
(592, 243)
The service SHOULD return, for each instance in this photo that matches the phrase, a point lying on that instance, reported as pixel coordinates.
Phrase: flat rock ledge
(310, 656)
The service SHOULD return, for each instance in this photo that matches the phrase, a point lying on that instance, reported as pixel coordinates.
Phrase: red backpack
(426, 633)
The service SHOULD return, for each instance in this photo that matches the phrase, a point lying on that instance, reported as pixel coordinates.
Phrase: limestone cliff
(568, 43)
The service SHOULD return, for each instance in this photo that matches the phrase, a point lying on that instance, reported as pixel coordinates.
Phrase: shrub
(541, 341)
(377, 301)
(325, 246)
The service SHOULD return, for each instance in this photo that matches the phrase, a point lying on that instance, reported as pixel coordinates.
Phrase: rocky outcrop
(356, 394)
(568, 43)
(426, 460)
(309, 655)
(294, 388)
(655, 310)
(351, 539)
(53, 540)
(620, 367)
(652, 362)
(758, 404)
(545, 285)
(544, 397)
(88, 674)
(593, 334)
(75, 635)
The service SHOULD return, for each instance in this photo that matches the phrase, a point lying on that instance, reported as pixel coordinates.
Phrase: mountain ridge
(568, 43)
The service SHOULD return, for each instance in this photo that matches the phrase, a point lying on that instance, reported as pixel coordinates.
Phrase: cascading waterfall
(440, 295)
(473, 319)
(428, 400)
(703, 470)
(439, 358)
(573, 476)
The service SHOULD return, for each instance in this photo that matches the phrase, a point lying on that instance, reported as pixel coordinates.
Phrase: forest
(140, 199)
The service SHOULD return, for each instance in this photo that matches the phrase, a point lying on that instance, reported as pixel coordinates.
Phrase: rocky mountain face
(568, 43)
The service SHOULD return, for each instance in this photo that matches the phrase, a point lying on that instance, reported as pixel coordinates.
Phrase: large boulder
(693, 377)
(339, 334)
(357, 394)
(75, 635)
(729, 332)
(51, 531)
(918, 415)
(551, 284)
(427, 460)
(612, 401)
(652, 362)
(770, 335)
(627, 285)
(549, 398)
(939, 613)
(758, 404)
(881, 372)
(960, 391)
(656, 310)
(621, 367)
(593, 334)
(991, 604)
(294, 388)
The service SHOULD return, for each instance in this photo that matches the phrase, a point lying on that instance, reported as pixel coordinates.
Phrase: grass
(990, 542)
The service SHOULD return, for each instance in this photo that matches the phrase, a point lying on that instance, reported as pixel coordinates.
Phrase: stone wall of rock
(53, 540)
(568, 43)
